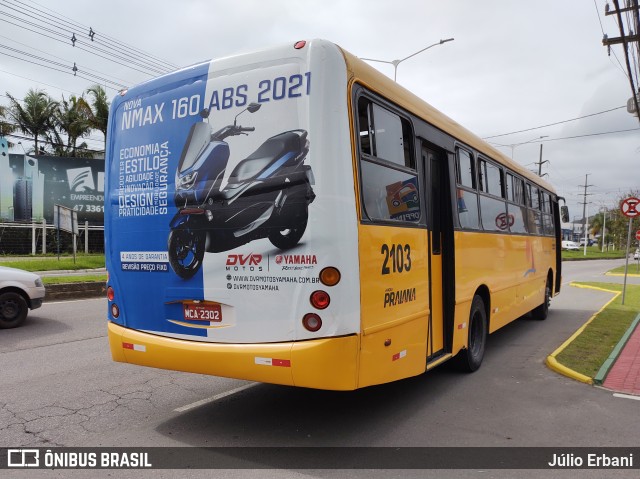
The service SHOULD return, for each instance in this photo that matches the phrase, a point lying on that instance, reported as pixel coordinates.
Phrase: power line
(62, 71)
(80, 48)
(92, 33)
(59, 58)
(66, 41)
(591, 134)
(36, 81)
(49, 142)
(138, 58)
(554, 124)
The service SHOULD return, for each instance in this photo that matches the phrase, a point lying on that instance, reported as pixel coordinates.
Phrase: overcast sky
(513, 65)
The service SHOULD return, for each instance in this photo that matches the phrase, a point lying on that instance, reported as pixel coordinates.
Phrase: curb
(551, 360)
(609, 362)
(63, 291)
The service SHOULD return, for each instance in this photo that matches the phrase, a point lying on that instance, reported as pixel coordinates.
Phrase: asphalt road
(59, 387)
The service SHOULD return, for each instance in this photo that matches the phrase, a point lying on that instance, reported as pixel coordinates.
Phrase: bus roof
(360, 71)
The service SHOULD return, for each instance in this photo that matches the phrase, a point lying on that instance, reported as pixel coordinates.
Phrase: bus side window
(390, 187)
(534, 225)
(516, 208)
(467, 198)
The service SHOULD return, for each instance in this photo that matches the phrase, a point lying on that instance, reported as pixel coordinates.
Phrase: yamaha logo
(304, 259)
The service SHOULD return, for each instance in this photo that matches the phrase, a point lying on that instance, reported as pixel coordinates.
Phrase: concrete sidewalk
(624, 375)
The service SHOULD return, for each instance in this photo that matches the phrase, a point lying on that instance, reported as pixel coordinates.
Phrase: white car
(19, 291)
(636, 255)
(570, 246)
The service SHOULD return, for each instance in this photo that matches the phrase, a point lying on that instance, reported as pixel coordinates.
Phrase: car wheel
(13, 310)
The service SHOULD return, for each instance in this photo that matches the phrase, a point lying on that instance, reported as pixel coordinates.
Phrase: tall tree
(99, 110)
(72, 119)
(35, 115)
(6, 127)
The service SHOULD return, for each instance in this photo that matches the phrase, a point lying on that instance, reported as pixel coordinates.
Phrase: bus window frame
(459, 186)
(359, 92)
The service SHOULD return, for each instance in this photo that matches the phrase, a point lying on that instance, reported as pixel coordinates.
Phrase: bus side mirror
(564, 214)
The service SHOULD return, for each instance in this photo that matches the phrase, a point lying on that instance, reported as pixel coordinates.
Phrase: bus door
(433, 167)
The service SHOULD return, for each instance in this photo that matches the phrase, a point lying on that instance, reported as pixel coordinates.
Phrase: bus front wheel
(470, 358)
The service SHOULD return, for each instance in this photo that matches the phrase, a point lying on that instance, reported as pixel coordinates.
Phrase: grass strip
(592, 347)
(100, 278)
(593, 252)
(634, 268)
(49, 264)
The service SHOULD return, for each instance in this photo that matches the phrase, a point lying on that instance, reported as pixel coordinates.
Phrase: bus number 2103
(397, 258)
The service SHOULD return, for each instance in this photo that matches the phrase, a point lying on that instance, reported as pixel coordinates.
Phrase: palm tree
(35, 116)
(6, 128)
(71, 119)
(99, 110)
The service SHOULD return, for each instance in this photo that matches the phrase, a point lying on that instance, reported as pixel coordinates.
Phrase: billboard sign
(31, 186)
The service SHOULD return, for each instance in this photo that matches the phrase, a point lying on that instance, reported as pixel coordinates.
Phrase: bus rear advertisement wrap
(293, 216)
(219, 221)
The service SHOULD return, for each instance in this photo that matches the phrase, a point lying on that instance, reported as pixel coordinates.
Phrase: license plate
(203, 312)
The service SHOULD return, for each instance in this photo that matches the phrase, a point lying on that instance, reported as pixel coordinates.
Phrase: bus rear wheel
(470, 359)
(542, 311)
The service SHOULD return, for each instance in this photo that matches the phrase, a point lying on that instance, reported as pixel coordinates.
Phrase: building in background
(30, 186)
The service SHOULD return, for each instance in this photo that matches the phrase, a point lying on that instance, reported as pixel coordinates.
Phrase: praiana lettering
(395, 298)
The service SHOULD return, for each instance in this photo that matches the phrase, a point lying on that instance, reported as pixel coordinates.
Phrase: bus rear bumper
(329, 363)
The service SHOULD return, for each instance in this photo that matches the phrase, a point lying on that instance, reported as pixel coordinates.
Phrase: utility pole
(584, 211)
(604, 228)
(626, 39)
(540, 163)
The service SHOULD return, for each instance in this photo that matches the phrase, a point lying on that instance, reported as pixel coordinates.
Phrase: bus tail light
(110, 293)
(320, 299)
(115, 311)
(312, 322)
(330, 276)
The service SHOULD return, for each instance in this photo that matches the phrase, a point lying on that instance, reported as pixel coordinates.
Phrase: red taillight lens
(110, 293)
(299, 45)
(330, 276)
(320, 299)
(312, 322)
(115, 311)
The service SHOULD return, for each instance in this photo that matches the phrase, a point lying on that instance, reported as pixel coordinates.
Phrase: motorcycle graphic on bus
(267, 194)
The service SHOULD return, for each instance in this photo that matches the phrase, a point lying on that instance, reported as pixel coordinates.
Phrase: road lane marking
(215, 398)
(626, 396)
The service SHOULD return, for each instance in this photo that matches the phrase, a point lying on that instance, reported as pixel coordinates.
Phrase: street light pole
(395, 63)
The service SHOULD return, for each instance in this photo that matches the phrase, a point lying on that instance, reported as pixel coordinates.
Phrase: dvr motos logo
(297, 259)
(244, 262)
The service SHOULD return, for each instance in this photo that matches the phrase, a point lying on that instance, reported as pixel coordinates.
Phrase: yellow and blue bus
(293, 216)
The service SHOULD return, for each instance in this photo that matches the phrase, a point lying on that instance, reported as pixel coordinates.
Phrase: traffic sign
(630, 207)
